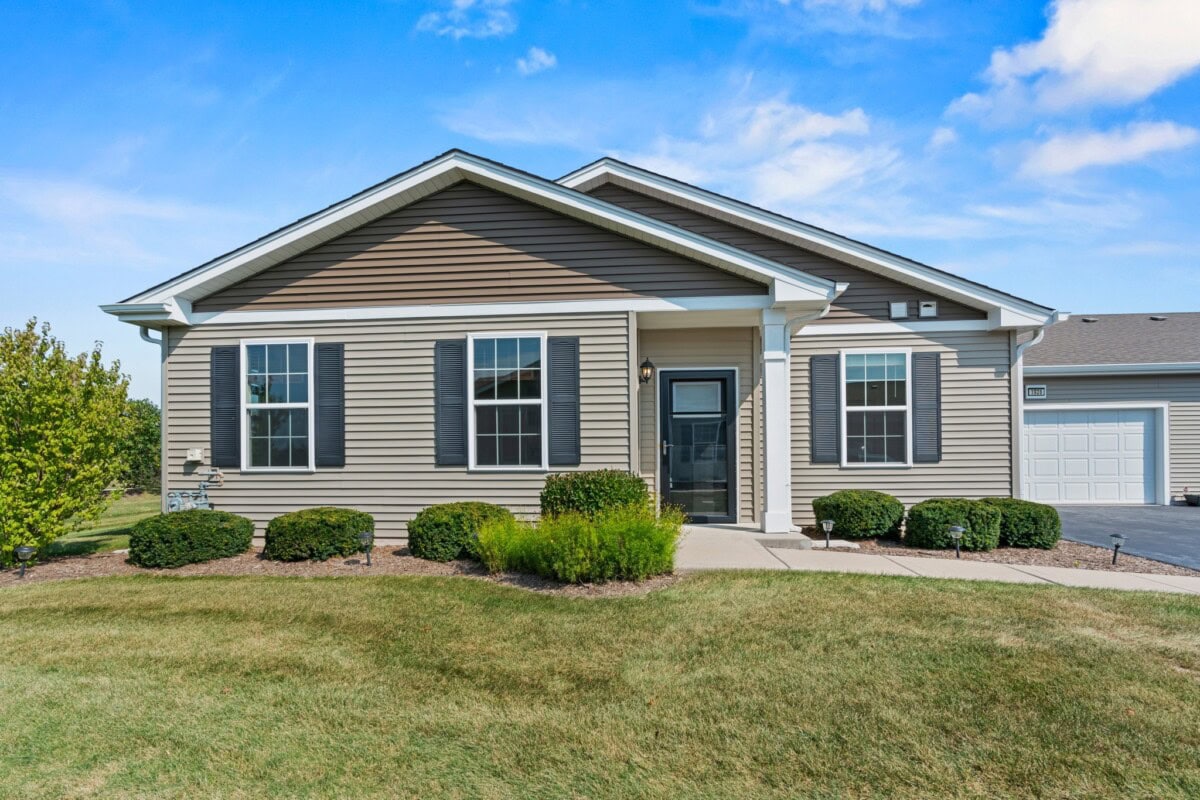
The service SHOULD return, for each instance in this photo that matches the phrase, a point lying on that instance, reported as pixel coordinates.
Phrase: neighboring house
(460, 330)
(1112, 409)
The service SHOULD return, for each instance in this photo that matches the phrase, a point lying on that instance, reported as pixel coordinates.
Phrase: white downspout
(144, 332)
(1018, 372)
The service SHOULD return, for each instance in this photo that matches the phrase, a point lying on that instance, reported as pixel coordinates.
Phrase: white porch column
(777, 423)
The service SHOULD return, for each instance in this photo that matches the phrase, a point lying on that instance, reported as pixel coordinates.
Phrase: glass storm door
(699, 438)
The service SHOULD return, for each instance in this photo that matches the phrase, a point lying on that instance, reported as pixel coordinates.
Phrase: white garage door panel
(1102, 456)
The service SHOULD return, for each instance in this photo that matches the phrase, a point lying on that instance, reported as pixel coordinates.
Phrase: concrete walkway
(706, 547)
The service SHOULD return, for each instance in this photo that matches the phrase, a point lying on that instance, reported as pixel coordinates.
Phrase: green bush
(929, 524)
(591, 492)
(188, 537)
(860, 514)
(1026, 524)
(316, 534)
(451, 530)
(629, 542)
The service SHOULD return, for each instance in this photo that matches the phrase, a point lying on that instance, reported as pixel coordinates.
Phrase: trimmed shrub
(630, 542)
(316, 534)
(1026, 524)
(451, 530)
(929, 524)
(592, 491)
(860, 514)
(188, 537)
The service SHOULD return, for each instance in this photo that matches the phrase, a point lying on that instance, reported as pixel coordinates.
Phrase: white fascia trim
(1113, 369)
(169, 312)
(474, 310)
(851, 328)
(449, 169)
(1162, 422)
(908, 272)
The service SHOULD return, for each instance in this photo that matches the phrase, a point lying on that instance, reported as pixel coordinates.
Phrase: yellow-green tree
(61, 429)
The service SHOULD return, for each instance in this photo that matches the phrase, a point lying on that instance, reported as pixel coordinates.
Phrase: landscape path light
(956, 533)
(24, 553)
(827, 526)
(367, 540)
(1118, 539)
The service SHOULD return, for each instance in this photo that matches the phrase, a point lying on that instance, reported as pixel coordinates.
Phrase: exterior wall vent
(1090, 319)
(928, 308)
(1158, 318)
(898, 310)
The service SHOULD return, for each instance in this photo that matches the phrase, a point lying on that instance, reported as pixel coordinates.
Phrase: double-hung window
(507, 390)
(875, 407)
(277, 414)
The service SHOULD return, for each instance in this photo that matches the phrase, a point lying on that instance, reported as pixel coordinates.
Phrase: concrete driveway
(1164, 533)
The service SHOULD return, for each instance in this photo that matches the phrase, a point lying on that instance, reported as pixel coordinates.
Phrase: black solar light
(24, 553)
(956, 533)
(1118, 539)
(367, 540)
(827, 526)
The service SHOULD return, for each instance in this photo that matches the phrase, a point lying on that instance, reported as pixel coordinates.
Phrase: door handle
(665, 445)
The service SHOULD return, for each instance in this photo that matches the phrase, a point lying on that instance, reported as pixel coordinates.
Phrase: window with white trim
(507, 389)
(875, 396)
(277, 404)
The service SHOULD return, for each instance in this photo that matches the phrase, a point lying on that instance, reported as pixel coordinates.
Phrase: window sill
(517, 470)
(279, 470)
(877, 466)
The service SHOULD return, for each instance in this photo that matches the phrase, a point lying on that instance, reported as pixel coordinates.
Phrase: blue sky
(1046, 148)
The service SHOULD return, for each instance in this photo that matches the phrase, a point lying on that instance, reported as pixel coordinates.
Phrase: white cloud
(774, 150)
(1093, 52)
(942, 137)
(470, 19)
(1070, 152)
(536, 60)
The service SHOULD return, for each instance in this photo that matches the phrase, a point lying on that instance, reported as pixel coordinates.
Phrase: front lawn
(111, 531)
(723, 685)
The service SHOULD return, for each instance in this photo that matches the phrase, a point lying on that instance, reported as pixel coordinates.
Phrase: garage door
(1090, 456)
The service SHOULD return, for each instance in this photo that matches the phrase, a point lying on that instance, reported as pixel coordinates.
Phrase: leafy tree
(61, 429)
(141, 450)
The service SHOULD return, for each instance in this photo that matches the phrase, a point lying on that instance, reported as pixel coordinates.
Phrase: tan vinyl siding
(468, 244)
(717, 348)
(1181, 391)
(976, 423)
(866, 299)
(390, 468)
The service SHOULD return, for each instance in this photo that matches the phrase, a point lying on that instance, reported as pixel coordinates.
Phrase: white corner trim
(451, 168)
(832, 244)
(1113, 369)
(1162, 424)
(862, 328)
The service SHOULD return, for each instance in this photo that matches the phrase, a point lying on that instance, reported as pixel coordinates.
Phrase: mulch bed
(384, 561)
(1063, 554)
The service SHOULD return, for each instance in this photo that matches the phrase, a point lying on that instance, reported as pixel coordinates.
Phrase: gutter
(1166, 368)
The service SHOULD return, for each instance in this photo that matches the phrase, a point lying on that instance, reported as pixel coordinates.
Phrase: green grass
(733, 685)
(111, 531)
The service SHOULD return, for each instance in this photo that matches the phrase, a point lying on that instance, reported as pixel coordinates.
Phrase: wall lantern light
(646, 371)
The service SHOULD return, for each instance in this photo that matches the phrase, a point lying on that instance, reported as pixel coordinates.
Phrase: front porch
(713, 420)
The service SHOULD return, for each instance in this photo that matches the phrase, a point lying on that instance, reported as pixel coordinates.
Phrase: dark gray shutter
(826, 416)
(329, 363)
(224, 406)
(562, 356)
(927, 407)
(450, 402)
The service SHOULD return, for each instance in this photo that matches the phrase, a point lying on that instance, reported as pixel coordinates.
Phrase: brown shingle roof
(1120, 339)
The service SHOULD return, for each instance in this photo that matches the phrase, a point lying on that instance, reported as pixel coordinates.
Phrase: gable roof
(1004, 309)
(1116, 343)
(171, 300)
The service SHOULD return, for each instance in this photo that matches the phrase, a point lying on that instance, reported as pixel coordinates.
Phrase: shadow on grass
(87, 544)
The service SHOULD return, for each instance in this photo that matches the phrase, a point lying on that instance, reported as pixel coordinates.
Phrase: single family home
(462, 329)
